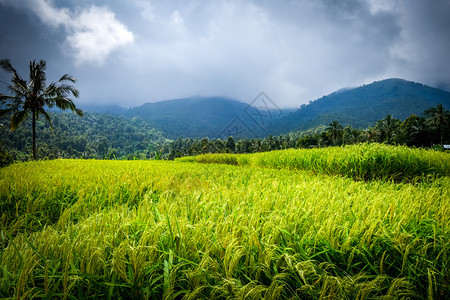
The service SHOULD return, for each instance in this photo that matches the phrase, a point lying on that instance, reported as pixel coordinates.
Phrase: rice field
(360, 162)
(76, 229)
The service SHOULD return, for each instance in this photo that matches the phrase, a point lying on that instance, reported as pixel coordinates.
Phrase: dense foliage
(92, 136)
(115, 137)
(198, 117)
(166, 230)
(32, 97)
(414, 131)
(361, 107)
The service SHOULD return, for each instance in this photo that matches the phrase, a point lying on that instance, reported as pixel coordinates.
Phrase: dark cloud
(131, 52)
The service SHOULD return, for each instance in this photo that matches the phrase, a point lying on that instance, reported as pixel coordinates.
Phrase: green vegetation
(361, 107)
(34, 96)
(93, 136)
(163, 229)
(105, 136)
(360, 162)
(414, 131)
(198, 117)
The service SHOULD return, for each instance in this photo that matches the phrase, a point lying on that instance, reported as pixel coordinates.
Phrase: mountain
(363, 106)
(213, 117)
(220, 117)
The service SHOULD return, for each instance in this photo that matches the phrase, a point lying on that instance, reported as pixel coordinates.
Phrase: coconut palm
(34, 96)
(420, 131)
(389, 127)
(335, 132)
(351, 135)
(439, 117)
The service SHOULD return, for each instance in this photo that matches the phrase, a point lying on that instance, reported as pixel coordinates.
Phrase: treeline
(103, 136)
(432, 129)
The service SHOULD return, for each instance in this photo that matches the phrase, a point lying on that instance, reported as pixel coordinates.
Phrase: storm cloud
(136, 51)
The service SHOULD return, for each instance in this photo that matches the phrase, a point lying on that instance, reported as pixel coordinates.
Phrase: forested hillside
(212, 117)
(361, 107)
(92, 136)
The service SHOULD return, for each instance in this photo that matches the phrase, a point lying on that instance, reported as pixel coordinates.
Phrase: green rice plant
(160, 229)
(360, 162)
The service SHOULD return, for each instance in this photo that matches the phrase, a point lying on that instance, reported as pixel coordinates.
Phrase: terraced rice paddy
(257, 226)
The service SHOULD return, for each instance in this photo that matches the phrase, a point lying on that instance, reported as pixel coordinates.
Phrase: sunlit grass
(155, 229)
(361, 162)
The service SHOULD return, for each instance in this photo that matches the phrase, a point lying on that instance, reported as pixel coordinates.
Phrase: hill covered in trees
(219, 117)
(212, 117)
(361, 107)
(92, 136)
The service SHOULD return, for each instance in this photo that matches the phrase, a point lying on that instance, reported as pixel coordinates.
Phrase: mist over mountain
(110, 109)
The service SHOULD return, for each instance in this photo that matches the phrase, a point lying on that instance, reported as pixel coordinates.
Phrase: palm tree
(389, 127)
(33, 97)
(351, 135)
(420, 131)
(335, 131)
(439, 118)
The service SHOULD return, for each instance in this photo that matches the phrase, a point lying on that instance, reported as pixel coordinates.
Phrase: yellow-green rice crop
(361, 162)
(158, 229)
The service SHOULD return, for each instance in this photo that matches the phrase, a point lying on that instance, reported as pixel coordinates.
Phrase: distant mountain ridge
(219, 117)
(213, 117)
(363, 106)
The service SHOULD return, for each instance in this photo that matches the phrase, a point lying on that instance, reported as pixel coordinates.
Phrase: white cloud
(92, 33)
(96, 33)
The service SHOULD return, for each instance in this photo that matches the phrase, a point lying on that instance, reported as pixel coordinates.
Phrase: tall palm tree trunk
(34, 135)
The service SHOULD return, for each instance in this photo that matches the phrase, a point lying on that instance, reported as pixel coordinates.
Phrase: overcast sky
(136, 51)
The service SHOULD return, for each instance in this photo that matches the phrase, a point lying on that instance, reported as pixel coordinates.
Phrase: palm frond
(37, 77)
(79, 112)
(47, 117)
(63, 90)
(19, 85)
(67, 77)
(19, 88)
(6, 98)
(17, 118)
(5, 64)
(11, 102)
(63, 103)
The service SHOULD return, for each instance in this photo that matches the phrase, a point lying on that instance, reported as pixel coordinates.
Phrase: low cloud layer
(136, 51)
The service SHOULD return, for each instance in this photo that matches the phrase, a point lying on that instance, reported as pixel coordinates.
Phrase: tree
(33, 97)
(335, 132)
(439, 118)
(230, 144)
(420, 132)
(415, 131)
(351, 135)
(388, 128)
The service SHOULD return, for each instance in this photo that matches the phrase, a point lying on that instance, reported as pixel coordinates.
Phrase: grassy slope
(360, 162)
(151, 229)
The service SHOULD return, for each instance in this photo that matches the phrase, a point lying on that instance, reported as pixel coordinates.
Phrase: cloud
(289, 50)
(294, 50)
(92, 33)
